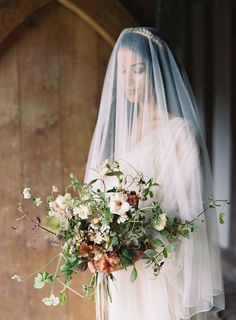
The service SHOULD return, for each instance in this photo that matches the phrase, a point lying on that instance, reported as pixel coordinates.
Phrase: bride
(148, 119)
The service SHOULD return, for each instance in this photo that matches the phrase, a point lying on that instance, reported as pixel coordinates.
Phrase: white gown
(166, 296)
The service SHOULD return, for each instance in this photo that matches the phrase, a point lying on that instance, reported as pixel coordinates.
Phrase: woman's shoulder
(182, 130)
(181, 123)
(176, 120)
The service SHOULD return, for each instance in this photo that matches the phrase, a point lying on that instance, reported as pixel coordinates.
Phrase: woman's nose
(129, 79)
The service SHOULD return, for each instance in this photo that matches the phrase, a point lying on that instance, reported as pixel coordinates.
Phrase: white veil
(148, 114)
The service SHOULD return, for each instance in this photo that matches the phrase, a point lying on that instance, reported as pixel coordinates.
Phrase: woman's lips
(130, 92)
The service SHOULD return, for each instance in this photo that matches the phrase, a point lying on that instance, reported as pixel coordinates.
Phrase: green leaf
(170, 248)
(156, 242)
(114, 189)
(114, 173)
(147, 262)
(70, 263)
(52, 224)
(150, 252)
(114, 241)
(41, 279)
(165, 253)
(166, 233)
(134, 274)
(155, 184)
(66, 270)
(221, 218)
(209, 197)
(127, 253)
(92, 182)
(63, 297)
(160, 257)
(124, 261)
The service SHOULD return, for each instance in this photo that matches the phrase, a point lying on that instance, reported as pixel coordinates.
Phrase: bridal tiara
(147, 33)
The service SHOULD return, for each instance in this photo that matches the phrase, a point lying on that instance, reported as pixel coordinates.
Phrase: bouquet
(105, 229)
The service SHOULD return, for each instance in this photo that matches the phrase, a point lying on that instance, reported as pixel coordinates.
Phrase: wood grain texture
(14, 12)
(12, 252)
(40, 127)
(81, 73)
(51, 76)
(107, 18)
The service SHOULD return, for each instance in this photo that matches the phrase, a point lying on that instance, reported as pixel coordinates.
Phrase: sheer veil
(148, 117)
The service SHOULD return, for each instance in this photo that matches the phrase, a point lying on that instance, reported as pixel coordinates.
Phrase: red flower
(105, 263)
(86, 250)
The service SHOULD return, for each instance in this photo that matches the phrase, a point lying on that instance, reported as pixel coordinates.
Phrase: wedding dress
(158, 298)
(148, 119)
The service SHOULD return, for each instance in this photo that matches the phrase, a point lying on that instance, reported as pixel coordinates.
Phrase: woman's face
(131, 75)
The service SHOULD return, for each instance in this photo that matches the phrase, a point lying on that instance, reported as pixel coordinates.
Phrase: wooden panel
(12, 255)
(51, 75)
(82, 71)
(40, 123)
(13, 12)
(107, 18)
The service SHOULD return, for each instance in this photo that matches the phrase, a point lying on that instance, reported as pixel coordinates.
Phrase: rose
(118, 203)
(161, 222)
(82, 211)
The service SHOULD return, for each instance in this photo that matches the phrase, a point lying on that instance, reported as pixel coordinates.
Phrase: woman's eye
(139, 69)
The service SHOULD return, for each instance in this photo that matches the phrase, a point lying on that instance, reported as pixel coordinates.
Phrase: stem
(200, 214)
(47, 264)
(69, 288)
(56, 272)
(36, 223)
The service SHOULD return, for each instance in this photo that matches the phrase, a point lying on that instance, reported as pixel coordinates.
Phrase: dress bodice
(169, 156)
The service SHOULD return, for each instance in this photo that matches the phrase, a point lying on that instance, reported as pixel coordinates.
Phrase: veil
(148, 117)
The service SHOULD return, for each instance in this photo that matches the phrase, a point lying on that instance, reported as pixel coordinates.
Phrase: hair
(139, 45)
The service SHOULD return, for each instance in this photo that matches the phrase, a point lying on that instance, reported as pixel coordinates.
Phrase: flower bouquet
(104, 230)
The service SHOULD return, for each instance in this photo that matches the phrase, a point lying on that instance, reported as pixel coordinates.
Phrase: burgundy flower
(86, 250)
(133, 199)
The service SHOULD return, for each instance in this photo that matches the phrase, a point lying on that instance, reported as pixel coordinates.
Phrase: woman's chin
(131, 99)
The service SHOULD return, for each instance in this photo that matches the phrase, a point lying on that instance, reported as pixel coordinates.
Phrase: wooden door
(51, 74)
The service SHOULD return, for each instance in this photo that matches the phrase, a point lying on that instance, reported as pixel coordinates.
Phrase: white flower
(17, 278)
(160, 225)
(122, 218)
(82, 211)
(51, 301)
(63, 201)
(93, 227)
(64, 223)
(98, 238)
(38, 201)
(105, 167)
(54, 189)
(105, 228)
(118, 203)
(55, 210)
(26, 193)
